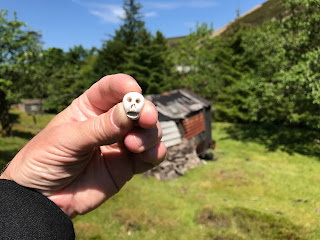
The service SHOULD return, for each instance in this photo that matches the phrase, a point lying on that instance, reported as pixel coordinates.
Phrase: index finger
(107, 92)
(98, 99)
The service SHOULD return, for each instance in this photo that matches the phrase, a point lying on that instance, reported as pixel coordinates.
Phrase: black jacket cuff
(27, 214)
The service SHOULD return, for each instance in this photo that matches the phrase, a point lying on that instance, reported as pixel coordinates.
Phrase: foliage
(63, 73)
(265, 73)
(151, 64)
(196, 62)
(133, 50)
(284, 82)
(259, 74)
(208, 66)
(58, 77)
(19, 50)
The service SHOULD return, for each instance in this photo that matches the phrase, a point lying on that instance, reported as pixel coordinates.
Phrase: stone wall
(180, 158)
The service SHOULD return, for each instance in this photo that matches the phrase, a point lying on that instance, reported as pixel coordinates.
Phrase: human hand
(91, 149)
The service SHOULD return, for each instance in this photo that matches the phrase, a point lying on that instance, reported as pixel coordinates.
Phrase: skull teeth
(133, 115)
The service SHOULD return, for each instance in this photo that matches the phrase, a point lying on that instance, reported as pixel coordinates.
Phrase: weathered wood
(170, 133)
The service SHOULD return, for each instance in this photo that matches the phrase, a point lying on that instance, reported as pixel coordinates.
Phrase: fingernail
(139, 143)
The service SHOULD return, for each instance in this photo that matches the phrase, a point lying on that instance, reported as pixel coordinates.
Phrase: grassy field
(24, 128)
(264, 185)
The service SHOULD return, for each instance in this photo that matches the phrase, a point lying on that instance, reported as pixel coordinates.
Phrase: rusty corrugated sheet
(194, 125)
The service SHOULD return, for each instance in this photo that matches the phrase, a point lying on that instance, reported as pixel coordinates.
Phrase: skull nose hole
(137, 100)
(129, 99)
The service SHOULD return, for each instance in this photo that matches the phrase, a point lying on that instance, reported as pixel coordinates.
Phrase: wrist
(64, 203)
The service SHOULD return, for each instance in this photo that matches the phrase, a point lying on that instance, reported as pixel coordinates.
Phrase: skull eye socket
(129, 99)
(138, 100)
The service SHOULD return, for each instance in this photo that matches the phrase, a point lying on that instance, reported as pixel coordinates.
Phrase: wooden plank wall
(170, 133)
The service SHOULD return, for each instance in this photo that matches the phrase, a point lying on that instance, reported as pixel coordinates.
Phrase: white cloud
(184, 4)
(150, 14)
(112, 13)
(107, 13)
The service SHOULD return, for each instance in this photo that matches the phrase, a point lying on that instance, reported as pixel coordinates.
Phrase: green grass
(253, 191)
(24, 128)
(264, 185)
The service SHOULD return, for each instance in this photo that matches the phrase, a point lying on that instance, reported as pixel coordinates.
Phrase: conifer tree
(111, 57)
(134, 51)
(150, 63)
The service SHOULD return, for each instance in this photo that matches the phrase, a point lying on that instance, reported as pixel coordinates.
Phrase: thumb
(106, 129)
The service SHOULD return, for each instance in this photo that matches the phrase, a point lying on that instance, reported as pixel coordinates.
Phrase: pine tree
(150, 64)
(134, 51)
(111, 57)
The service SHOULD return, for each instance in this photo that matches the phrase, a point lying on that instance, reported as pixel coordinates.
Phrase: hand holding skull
(91, 149)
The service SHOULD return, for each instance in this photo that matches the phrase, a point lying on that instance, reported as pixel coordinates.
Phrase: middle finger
(140, 140)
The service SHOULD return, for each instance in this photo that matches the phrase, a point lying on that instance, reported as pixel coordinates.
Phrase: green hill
(256, 16)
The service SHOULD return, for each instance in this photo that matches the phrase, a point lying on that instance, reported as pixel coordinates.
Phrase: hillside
(268, 10)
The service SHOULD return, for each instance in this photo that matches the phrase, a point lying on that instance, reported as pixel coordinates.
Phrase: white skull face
(133, 103)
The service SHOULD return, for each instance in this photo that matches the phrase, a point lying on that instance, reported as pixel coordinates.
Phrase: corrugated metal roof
(177, 104)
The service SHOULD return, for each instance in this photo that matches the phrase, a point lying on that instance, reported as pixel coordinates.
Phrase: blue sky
(65, 23)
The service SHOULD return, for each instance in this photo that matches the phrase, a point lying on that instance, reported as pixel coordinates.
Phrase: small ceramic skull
(133, 103)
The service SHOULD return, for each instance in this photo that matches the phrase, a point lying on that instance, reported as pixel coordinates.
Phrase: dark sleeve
(27, 214)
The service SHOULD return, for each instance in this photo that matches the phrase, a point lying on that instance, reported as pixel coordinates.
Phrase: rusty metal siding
(170, 133)
(179, 106)
(194, 125)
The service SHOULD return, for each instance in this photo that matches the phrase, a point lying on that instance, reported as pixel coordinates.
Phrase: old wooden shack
(185, 119)
(31, 106)
(183, 114)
